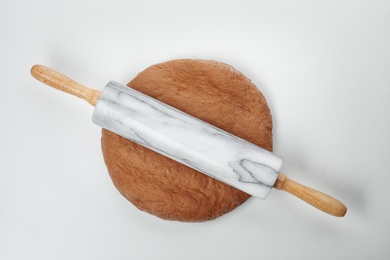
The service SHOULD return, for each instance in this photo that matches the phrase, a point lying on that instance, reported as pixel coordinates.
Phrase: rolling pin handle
(315, 198)
(61, 82)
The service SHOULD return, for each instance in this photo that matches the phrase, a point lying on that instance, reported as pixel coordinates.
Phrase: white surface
(323, 66)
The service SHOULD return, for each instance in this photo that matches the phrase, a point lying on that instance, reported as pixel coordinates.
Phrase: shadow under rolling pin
(188, 140)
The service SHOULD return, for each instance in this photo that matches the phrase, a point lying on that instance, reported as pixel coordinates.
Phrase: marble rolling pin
(187, 140)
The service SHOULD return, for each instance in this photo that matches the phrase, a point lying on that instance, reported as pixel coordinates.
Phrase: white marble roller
(186, 139)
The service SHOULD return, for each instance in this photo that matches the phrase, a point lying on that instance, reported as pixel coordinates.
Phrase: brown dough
(209, 90)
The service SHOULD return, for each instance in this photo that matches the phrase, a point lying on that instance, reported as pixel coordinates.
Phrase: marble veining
(186, 139)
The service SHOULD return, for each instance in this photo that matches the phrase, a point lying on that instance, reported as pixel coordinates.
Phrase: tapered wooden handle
(315, 198)
(61, 82)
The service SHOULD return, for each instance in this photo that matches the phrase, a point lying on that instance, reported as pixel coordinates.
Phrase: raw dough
(212, 91)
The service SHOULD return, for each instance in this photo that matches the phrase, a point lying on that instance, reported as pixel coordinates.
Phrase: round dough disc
(212, 91)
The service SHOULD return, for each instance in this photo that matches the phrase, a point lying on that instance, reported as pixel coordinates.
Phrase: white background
(324, 67)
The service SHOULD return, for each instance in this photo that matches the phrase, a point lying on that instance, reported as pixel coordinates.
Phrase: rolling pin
(188, 140)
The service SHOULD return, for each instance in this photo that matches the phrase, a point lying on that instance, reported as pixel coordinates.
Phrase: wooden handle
(315, 198)
(61, 82)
